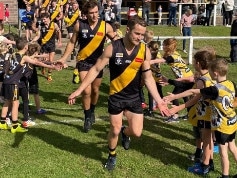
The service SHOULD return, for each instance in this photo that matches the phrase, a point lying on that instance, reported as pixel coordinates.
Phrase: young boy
(222, 97)
(13, 73)
(202, 111)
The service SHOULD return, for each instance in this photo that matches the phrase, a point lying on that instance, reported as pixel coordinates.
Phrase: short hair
(171, 44)
(44, 15)
(204, 57)
(33, 48)
(117, 25)
(220, 66)
(21, 43)
(134, 21)
(89, 5)
(148, 36)
(11, 36)
(154, 45)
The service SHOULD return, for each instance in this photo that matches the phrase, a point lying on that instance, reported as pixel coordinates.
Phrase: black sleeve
(177, 83)
(169, 59)
(209, 92)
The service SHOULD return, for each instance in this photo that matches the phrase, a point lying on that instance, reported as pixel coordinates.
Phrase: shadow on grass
(69, 144)
(18, 139)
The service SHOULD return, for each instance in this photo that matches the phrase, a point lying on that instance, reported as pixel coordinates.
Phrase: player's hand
(57, 65)
(59, 44)
(164, 110)
(170, 97)
(72, 97)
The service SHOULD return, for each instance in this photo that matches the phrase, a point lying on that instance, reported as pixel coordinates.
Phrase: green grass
(57, 147)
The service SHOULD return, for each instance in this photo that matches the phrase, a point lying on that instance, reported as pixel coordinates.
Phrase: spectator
(109, 13)
(185, 26)
(159, 11)
(146, 10)
(172, 12)
(229, 7)
(233, 42)
(7, 13)
(209, 9)
(118, 4)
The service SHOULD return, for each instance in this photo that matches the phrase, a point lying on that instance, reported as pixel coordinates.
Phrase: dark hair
(44, 15)
(204, 57)
(32, 48)
(21, 43)
(89, 5)
(134, 21)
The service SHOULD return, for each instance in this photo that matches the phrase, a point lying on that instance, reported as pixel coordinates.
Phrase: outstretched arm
(102, 61)
(151, 85)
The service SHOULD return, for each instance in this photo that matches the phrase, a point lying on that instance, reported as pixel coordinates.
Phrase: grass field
(57, 147)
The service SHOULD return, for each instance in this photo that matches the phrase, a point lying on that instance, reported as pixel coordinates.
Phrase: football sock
(14, 124)
(92, 108)
(112, 152)
(87, 113)
(198, 153)
(3, 120)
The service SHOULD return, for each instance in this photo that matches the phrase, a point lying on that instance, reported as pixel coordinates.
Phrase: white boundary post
(214, 16)
(180, 13)
(190, 52)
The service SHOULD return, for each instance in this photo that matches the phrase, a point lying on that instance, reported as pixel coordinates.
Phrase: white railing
(191, 39)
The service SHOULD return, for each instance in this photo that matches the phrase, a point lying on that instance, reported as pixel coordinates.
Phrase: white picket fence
(191, 40)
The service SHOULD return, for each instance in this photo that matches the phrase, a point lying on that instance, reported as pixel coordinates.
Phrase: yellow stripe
(46, 3)
(74, 18)
(55, 13)
(31, 1)
(122, 81)
(93, 44)
(49, 34)
(63, 2)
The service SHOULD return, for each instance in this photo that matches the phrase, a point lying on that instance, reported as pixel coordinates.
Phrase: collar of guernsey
(123, 80)
(49, 34)
(93, 44)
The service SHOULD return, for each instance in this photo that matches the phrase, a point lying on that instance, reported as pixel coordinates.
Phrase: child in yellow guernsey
(222, 98)
(180, 69)
(200, 108)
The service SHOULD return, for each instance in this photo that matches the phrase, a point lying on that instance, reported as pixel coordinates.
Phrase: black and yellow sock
(15, 124)
(112, 152)
(3, 120)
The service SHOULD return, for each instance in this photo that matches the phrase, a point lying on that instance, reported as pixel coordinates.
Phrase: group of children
(17, 69)
(211, 109)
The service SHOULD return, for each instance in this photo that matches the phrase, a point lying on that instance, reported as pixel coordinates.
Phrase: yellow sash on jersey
(119, 83)
(63, 2)
(50, 33)
(93, 44)
(46, 3)
(73, 18)
(55, 13)
(31, 1)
